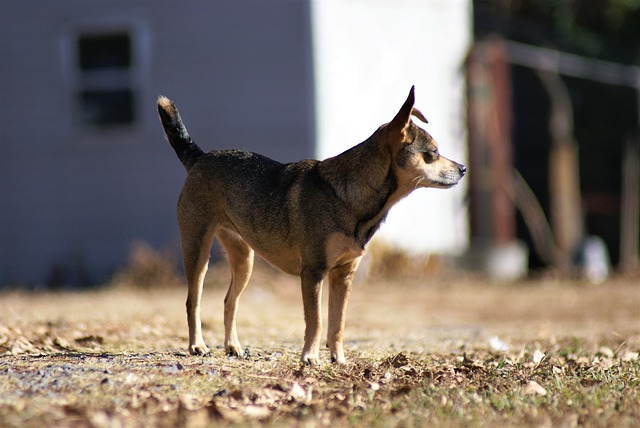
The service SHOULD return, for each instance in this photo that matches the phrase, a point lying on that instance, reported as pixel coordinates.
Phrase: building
(84, 168)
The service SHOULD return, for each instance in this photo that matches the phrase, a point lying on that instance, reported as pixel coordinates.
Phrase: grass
(106, 389)
(419, 354)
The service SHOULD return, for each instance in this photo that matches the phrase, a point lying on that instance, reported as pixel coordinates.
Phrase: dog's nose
(462, 169)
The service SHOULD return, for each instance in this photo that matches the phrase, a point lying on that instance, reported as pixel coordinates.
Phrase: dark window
(100, 52)
(107, 107)
(105, 95)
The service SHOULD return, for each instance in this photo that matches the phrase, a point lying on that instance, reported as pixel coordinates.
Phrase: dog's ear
(403, 117)
(415, 112)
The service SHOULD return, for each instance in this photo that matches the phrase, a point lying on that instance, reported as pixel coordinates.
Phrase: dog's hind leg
(196, 245)
(240, 257)
(340, 280)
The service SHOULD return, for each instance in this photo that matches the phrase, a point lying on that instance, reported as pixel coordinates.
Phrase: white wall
(367, 54)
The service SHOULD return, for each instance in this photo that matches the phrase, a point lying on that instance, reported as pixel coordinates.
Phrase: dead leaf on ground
(297, 392)
(89, 340)
(534, 388)
(397, 360)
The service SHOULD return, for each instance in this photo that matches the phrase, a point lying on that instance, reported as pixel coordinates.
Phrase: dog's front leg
(340, 280)
(311, 293)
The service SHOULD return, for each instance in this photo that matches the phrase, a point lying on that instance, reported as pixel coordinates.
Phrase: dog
(310, 218)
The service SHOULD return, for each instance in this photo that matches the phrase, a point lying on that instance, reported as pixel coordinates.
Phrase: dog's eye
(431, 155)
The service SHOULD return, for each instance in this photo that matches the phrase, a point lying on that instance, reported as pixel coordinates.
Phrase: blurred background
(541, 100)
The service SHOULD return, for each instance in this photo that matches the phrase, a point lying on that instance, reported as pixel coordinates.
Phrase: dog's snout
(462, 169)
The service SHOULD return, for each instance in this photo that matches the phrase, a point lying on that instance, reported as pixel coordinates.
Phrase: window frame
(133, 78)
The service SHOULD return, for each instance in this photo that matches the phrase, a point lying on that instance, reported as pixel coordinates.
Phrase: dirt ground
(438, 351)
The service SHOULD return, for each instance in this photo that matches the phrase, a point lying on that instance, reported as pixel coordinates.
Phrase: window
(104, 51)
(105, 94)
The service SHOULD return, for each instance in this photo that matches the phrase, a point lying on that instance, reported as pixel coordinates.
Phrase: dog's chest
(341, 249)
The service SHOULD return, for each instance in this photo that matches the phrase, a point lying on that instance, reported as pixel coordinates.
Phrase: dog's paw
(338, 359)
(235, 350)
(310, 360)
(336, 351)
(200, 350)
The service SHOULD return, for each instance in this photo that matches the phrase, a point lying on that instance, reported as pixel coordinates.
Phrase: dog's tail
(187, 150)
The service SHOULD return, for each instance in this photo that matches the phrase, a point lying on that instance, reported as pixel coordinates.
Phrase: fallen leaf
(403, 390)
(538, 356)
(570, 421)
(219, 411)
(190, 402)
(607, 352)
(397, 361)
(89, 340)
(534, 388)
(237, 394)
(196, 419)
(100, 419)
(443, 401)
(583, 360)
(256, 412)
(589, 382)
(297, 392)
(605, 363)
(61, 343)
(498, 345)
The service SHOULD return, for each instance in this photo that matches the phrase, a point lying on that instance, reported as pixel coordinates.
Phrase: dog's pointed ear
(403, 117)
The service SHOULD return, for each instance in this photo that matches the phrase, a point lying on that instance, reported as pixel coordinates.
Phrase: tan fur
(342, 249)
(308, 218)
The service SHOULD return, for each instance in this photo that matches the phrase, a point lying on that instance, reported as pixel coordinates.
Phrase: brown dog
(308, 218)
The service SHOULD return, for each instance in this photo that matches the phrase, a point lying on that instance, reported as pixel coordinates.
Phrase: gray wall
(74, 198)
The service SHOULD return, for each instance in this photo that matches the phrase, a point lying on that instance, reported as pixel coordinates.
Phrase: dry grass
(420, 353)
